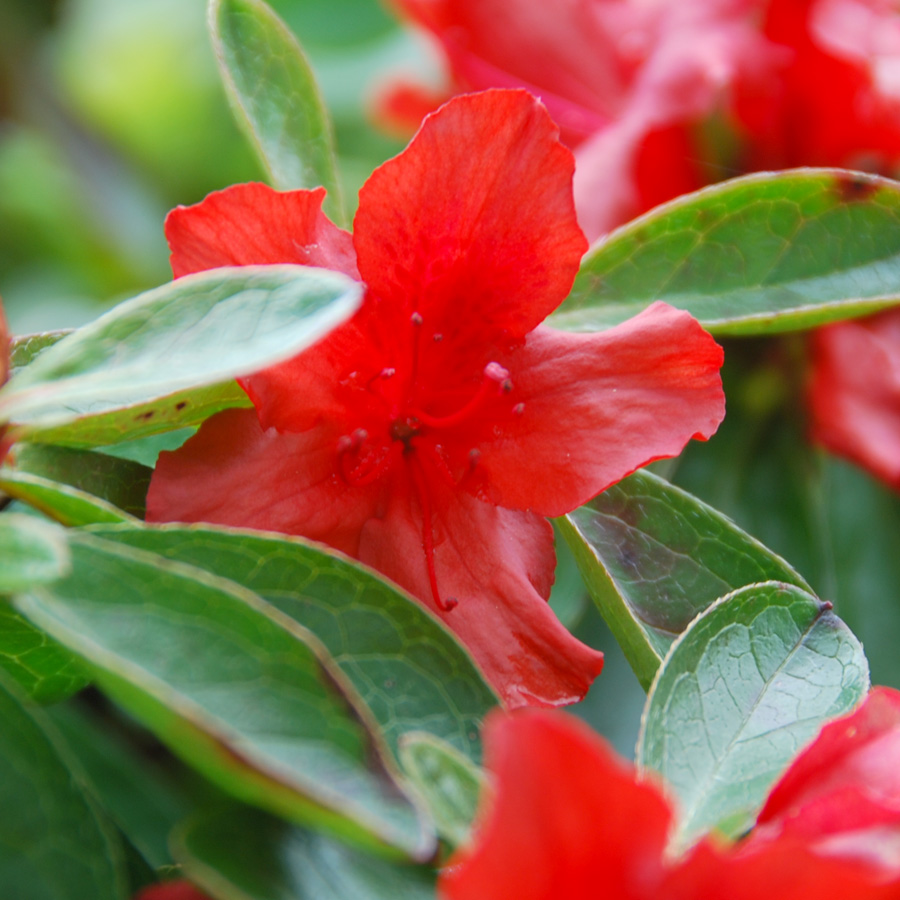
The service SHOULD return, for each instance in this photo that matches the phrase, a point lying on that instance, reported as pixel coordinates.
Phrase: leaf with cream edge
(233, 686)
(277, 99)
(762, 254)
(76, 487)
(653, 557)
(192, 332)
(743, 689)
(409, 670)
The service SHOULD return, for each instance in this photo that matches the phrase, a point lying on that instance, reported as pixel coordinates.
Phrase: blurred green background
(112, 112)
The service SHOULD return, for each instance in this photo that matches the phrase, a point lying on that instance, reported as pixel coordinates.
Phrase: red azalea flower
(798, 82)
(791, 82)
(626, 81)
(854, 393)
(566, 818)
(171, 890)
(432, 434)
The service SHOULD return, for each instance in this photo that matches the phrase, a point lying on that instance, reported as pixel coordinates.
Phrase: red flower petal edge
(566, 818)
(429, 435)
(842, 793)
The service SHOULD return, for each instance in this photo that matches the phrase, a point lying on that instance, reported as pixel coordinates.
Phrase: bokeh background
(112, 112)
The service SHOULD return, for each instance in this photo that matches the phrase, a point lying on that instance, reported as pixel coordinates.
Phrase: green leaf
(136, 793)
(739, 695)
(234, 687)
(54, 845)
(67, 505)
(198, 330)
(120, 482)
(243, 854)
(448, 781)
(277, 99)
(766, 253)
(653, 557)
(409, 670)
(47, 672)
(31, 551)
(25, 348)
(180, 410)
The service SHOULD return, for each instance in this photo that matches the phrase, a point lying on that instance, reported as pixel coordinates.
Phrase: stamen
(418, 479)
(494, 376)
(365, 471)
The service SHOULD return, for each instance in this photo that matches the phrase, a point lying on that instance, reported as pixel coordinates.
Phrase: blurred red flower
(854, 392)
(641, 89)
(567, 818)
(432, 434)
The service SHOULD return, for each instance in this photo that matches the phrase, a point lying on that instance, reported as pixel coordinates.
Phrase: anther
(518, 409)
(416, 318)
(388, 373)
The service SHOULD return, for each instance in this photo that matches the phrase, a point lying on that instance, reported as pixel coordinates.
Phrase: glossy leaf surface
(739, 694)
(760, 254)
(447, 780)
(410, 671)
(31, 551)
(42, 668)
(236, 688)
(272, 85)
(199, 330)
(654, 557)
(119, 482)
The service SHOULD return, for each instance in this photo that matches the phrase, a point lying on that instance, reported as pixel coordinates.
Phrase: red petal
(234, 473)
(567, 819)
(788, 870)
(855, 392)
(842, 793)
(852, 47)
(498, 564)
(252, 224)
(595, 407)
(171, 890)
(473, 225)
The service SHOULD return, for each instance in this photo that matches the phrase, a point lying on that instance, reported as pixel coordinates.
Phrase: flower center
(362, 461)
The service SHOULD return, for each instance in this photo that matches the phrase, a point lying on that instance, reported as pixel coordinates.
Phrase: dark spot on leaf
(145, 416)
(853, 187)
(180, 406)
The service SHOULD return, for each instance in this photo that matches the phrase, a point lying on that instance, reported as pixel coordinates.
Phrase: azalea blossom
(640, 86)
(660, 98)
(566, 818)
(432, 434)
